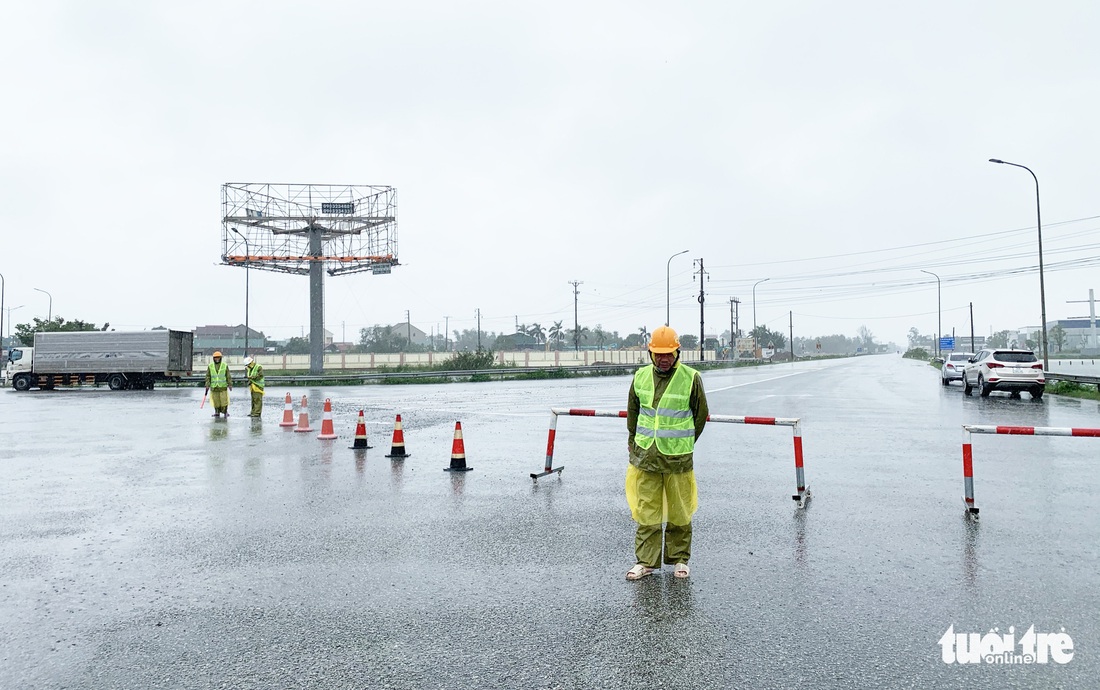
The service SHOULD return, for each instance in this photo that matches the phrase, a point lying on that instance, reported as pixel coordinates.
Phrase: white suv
(953, 365)
(1004, 370)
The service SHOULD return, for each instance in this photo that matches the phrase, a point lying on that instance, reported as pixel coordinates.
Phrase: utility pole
(409, 330)
(446, 333)
(791, 326)
(576, 323)
(702, 275)
(735, 308)
(971, 327)
(478, 330)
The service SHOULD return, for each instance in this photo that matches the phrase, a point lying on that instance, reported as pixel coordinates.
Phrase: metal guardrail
(1075, 378)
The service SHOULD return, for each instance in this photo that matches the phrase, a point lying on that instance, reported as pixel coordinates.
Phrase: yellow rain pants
(656, 499)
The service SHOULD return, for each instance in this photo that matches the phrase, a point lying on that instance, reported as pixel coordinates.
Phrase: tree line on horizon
(390, 339)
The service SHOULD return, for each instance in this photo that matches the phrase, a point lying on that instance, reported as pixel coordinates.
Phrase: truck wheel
(22, 382)
(116, 382)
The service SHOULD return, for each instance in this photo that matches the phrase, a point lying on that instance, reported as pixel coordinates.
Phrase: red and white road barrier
(968, 453)
(803, 493)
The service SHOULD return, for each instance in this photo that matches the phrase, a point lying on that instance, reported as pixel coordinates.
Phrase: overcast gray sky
(835, 149)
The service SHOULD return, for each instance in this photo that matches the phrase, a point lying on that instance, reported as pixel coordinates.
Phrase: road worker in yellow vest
(255, 375)
(666, 412)
(218, 385)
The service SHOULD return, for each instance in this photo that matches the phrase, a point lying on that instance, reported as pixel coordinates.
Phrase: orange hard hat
(663, 340)
(217, 354)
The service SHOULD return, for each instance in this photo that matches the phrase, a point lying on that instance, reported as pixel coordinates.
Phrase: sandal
(639, 571)
(681, 570)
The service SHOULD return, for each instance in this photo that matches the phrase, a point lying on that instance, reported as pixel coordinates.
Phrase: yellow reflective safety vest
(255, 374)
(669, 421)
(219, 378)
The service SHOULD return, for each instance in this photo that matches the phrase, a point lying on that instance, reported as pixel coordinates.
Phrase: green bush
(471, 360)
(1072, 389)
(917, 353)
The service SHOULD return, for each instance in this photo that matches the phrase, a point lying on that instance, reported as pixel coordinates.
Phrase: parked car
(1004, 370)
(953, 365)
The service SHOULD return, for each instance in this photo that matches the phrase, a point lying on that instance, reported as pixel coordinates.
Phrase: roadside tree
(24, 332)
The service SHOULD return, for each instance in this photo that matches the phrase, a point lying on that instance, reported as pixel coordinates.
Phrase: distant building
(1081, 335)
(229, 340)
(517, 341)
(412, 333)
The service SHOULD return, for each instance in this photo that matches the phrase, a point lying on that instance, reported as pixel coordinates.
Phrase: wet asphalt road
(145, 545)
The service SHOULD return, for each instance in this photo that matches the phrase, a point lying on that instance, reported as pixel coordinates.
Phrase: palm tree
(644, 332)
(537, 332)
(557, 334)
(579, 334)
(601, 335)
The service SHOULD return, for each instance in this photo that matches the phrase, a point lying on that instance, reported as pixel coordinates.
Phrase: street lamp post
(754, 346)
(2, 285)
(49, 318)
(247, 262)
(939, 312)
(1042, 286)
(668, 285)
(10, 310)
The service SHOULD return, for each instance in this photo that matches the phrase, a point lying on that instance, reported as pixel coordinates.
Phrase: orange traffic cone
(458, 453)
(397, 448)
(303, 417)
(327, 432)
(288, 413)
(361, 434)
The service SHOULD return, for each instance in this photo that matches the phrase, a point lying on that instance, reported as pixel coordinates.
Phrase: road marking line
(749, 383)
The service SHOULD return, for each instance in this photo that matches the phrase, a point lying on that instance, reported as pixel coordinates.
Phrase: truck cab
(19, 359)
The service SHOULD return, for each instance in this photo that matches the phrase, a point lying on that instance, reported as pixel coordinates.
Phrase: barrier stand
(968, 453)
(802, 495)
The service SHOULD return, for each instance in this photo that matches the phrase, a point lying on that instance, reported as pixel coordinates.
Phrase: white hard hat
(248, 360)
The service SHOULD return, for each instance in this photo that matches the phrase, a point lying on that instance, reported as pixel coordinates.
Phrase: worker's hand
(205, 392)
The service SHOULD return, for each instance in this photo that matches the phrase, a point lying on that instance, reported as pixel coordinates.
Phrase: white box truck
(122, 360)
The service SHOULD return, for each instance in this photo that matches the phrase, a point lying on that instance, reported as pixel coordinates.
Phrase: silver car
(953, 365)
(1004, 370)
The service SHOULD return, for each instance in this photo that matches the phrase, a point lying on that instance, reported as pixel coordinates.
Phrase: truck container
(122, 360)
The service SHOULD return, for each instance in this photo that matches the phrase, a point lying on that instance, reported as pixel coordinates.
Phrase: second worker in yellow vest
(666, 412)
(255, 375)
